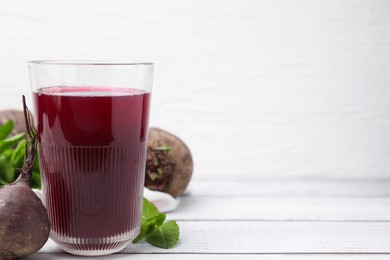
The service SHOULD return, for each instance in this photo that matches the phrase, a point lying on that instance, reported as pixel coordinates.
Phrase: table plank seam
(222, 253)
(284, 220)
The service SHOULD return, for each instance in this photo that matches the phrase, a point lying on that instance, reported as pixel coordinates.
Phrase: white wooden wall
(274, 88)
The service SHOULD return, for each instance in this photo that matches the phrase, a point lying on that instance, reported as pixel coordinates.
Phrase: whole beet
(169, 163)
(24, 223)
(25, 226)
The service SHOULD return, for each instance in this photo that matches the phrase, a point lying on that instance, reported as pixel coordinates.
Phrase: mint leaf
(36, 164)
(6, 129)
(36, 180)
(151, 218)
(154, 229)
(147, 227)
(7, 172)
(165, 236)
(18, 155)
(149, 211)
(8, 154)
(9, 142)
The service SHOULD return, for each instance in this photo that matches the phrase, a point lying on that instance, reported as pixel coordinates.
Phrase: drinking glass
(92, 120)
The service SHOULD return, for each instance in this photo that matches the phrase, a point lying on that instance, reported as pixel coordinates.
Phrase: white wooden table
(273, 219)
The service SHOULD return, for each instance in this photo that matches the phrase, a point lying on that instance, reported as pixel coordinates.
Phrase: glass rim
(89, 62)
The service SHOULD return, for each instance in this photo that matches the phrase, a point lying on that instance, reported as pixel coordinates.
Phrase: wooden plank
(251, 237)
(294, 187)
(282, 208)
(215, 257)
(277, 237)
(288, 219)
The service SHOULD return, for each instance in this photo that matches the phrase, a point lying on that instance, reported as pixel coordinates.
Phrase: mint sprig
(12, 156)
(154, 230)
(165, 235)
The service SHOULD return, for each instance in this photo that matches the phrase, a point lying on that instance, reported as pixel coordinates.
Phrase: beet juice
(92, 147)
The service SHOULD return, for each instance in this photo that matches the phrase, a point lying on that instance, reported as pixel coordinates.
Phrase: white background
(272, 88)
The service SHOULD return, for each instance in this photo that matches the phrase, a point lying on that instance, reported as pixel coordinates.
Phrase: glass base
(94, 246)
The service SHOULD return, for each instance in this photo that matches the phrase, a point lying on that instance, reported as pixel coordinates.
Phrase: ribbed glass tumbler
(92, 120)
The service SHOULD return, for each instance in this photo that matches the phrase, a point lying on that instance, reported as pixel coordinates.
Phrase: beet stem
(29, 157)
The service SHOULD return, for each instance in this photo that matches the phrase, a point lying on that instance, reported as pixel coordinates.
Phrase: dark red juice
(92, 146)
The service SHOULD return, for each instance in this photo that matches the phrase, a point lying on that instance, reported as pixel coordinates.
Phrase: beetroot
(25, 226)
(169, 163)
